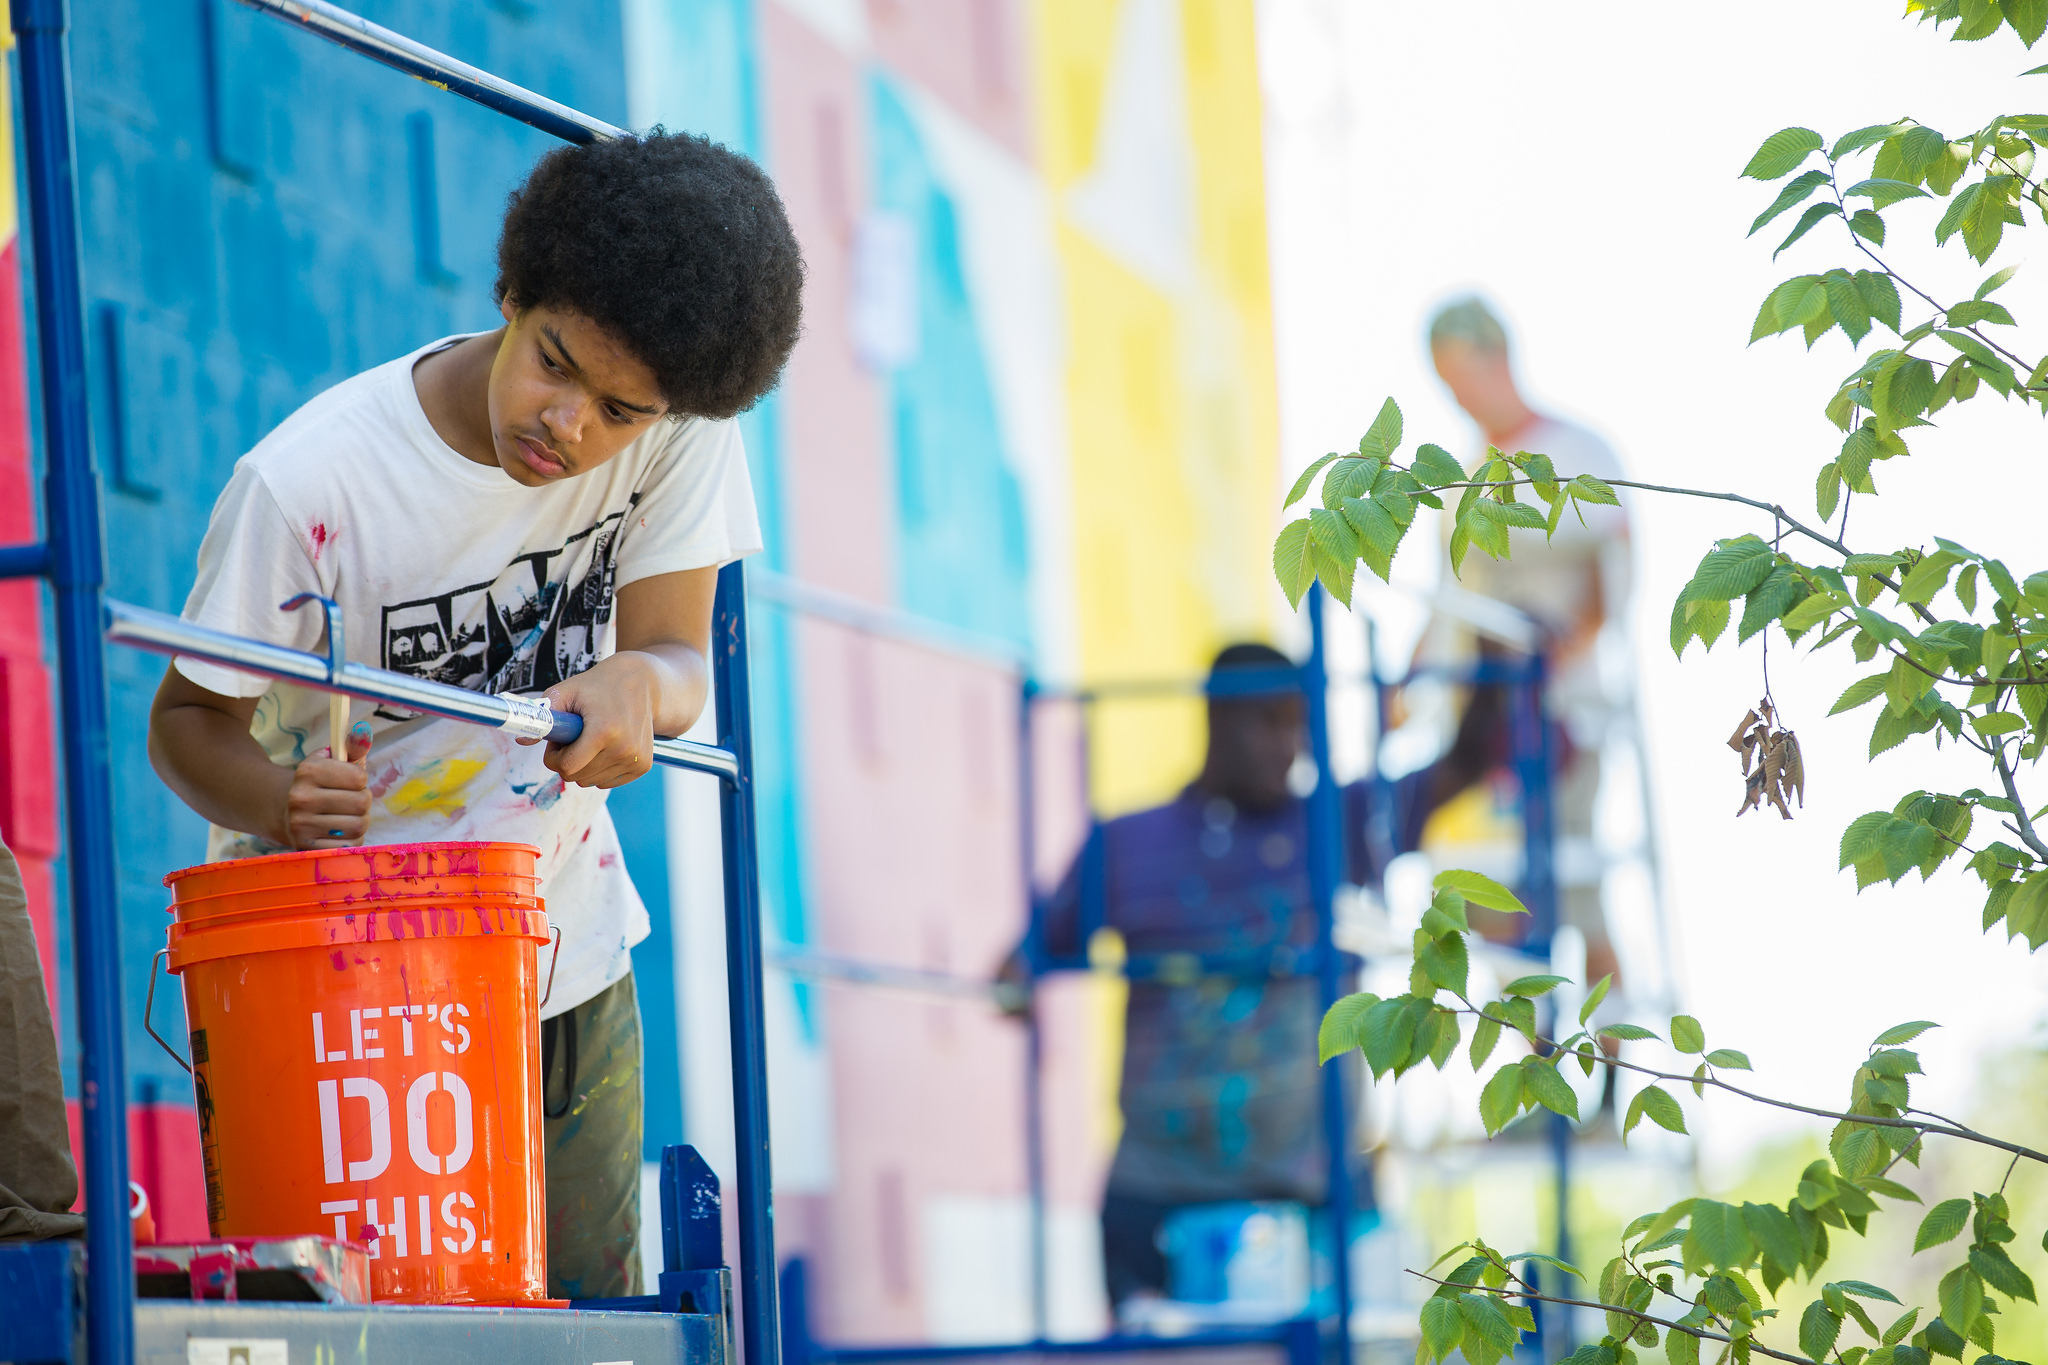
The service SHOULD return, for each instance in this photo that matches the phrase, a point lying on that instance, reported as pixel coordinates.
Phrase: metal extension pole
(1325, 856)
(77, 574)
(401, 53)
(743, 971)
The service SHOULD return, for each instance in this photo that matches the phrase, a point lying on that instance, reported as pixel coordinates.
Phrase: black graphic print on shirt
(524, 631)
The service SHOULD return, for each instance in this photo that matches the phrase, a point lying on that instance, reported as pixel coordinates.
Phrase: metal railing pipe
(163, 633)
(77, 570)
(401, 53)
(25, 561)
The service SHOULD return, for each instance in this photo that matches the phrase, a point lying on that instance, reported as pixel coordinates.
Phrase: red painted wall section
(28, 779)
(163, 1158)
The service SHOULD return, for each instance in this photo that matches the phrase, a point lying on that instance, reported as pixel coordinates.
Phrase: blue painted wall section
(265, 215)
(962, 555)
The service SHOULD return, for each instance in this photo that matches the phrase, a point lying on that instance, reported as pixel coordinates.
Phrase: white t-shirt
(448, 569)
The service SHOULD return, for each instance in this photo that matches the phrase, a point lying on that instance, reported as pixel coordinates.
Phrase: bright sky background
(1578, 164)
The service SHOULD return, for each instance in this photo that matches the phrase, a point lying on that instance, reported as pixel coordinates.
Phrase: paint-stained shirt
(447, 569)
(1221, 1093)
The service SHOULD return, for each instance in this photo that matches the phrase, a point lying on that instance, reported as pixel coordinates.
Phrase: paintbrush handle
(337, 726)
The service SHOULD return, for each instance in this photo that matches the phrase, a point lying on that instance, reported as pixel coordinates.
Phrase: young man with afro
(542, 508)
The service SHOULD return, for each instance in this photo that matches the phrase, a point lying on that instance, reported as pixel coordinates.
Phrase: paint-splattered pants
(37, 1182)
(591, 1101)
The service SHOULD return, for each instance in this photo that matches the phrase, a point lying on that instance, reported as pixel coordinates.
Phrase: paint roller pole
(743, 971)
(1325, 854)
(77, 574)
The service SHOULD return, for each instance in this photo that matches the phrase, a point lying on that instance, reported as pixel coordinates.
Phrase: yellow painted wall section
(1171, 392)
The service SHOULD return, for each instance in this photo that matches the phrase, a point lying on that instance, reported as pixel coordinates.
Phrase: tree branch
(1874, 1120)
(1665, 1323)
(2025, 828)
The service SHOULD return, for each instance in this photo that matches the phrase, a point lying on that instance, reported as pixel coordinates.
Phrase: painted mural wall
(1030, 432)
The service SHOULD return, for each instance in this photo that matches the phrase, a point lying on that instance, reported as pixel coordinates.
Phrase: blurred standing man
(1221, 1093)
(1572, 585)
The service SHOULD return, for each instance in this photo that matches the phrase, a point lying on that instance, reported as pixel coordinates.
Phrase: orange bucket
(366, 1052)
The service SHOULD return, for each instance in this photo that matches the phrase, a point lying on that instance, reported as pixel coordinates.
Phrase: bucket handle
(150, 1001)
(555, 952)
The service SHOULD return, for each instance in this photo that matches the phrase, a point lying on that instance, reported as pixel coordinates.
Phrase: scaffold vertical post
(1325, 868)
(743, 973)
(77, 577)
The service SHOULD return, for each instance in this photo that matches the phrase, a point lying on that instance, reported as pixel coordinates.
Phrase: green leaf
(1997, 723)
(1541, 1083)
(1308, 476)
(1594, 997)
(1717, 1239)
(1628, 1033)
(1770, 1227)
(1501, 1100)
(1883, 193)
(1703, 619)
(1443, 1326)
(1448, 909)
(1586, 488)
(1730, 570)
(1290, 561)
(1443, 961)
(1480, 890)
(1686, 1034)
(1880, 294)
(1958, 208)
(1818, 1330)
(1896, 1333)
(1383, 437)
(1827, 489)
(1942, 1223)
(1435, 466)
(1484, 1036)
(2028, 18)
(1659, 1107)
(1730, 1058)
(1795, 192)
(1484, 1321)
(1962, 1299)
(1339, 1030)
(1814, 214)
(1865, 137)
(1386, 1034)
(1534, 985)
(1902, 1033)
(1991, 1262)
(1781, 153)
(1865, 1289)
(1859, 692)
(1866, 223)
(1995, 282)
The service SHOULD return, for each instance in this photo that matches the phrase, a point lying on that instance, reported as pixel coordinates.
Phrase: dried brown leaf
(1741, 739)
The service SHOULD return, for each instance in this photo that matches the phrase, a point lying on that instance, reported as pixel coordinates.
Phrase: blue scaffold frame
(1307, 1339)
(71, 558)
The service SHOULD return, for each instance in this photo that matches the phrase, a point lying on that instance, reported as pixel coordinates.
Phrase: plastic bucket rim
(171, 879)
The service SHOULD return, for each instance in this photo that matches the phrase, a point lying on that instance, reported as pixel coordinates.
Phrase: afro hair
(675, 245)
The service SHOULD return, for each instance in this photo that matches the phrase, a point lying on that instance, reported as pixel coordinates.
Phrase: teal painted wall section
(961, 553)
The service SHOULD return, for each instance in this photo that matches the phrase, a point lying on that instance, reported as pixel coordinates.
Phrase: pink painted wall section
(970, 53)
(838, 490)
(913, 844)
